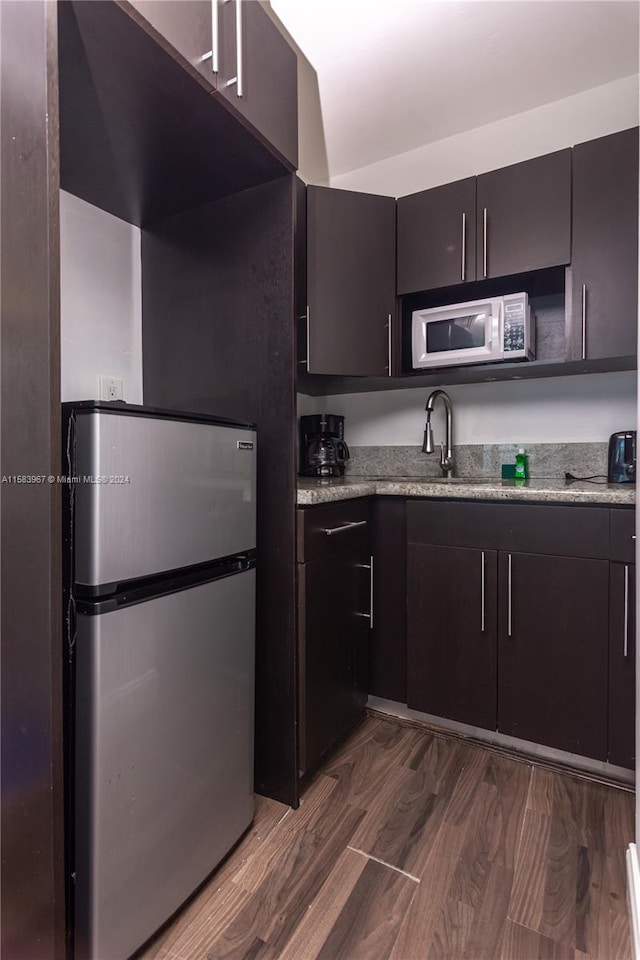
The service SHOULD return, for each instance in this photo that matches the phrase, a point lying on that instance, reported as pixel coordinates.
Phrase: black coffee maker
(323, 452)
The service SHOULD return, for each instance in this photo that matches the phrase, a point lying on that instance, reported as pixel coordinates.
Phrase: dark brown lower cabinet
(334, 608)
(388, 655)
(622, 672)
(553, 650)
(451, 632)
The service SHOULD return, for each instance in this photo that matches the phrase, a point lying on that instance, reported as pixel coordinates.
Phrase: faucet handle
(446, 461)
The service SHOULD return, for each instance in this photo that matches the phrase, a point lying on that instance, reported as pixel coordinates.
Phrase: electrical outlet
(111, 388)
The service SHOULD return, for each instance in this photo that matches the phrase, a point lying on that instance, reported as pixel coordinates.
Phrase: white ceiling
(396, 74)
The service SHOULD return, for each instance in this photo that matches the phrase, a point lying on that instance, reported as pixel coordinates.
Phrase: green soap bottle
(522, 465)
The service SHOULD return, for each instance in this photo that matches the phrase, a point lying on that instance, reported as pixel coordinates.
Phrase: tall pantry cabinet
(97, 100)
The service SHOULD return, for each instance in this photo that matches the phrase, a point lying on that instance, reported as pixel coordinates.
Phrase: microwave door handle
(499, 332)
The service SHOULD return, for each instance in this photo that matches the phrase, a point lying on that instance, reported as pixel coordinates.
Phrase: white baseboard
(633, 897)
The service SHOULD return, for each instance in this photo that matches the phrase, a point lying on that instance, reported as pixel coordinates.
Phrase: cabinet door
(334, 638)
(622, 672)
(437, 237)
(187, 25)
(351, 242)
(388, 674)
(259, 74)
(451, 633)
(552, 653)
(604, 261)
(524, 216)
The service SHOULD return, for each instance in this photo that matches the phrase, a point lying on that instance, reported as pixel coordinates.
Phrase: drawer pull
(510, 623)
(345, 526)
(482, 593)
(626, 611)
(584, 321)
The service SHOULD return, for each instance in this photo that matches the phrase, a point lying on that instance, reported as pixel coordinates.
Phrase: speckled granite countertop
(551, 491)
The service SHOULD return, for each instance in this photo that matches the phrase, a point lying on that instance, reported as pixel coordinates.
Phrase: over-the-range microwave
(479, 331)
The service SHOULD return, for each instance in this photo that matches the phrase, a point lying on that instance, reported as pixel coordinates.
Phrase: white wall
(101, 301)
(564, 409)
(567, 409)
(554, 126)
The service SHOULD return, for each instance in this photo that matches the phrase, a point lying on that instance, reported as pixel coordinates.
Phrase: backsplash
(546, 460)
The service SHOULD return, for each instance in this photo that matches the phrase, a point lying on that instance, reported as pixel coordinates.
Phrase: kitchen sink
(460, 480)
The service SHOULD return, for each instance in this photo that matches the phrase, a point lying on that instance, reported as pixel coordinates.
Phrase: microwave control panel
(513, 326)
(517, 333)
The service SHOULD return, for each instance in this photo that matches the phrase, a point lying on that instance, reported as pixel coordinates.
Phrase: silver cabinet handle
(215, 40)
(626, 611)
(345, 526)
(484, 242)
(239, 77)
(239, 61)
(369, 567)
(482, 595)
(509, 618)
(584, 321)
(214, 53)
(305, 316)
(389, 328)
(463, 265)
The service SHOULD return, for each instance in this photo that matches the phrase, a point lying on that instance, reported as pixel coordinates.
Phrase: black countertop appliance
(622, 457)
(323, 452)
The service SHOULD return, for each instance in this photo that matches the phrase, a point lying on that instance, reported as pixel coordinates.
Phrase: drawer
(623, 534)
(520, 527)
(328, 527)
(446, 523)
(556, 530)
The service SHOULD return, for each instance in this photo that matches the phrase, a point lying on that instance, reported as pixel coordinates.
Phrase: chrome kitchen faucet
(446, 459)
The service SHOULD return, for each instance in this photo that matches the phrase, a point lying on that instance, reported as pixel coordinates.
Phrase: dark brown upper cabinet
(351, 242)
(523, 217)
(437, 237)
(187, 25)
(604, 263)
(258, 74)
(238, 48)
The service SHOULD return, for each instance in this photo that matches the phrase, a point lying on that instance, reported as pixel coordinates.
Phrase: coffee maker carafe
(323, 452)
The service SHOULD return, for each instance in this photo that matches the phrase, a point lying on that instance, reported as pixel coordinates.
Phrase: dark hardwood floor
(410, 846)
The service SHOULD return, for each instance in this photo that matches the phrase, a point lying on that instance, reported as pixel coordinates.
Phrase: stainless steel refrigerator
(160, 621)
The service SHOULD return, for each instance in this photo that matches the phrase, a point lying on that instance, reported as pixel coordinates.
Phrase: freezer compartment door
(164, 756)
(165, 494)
